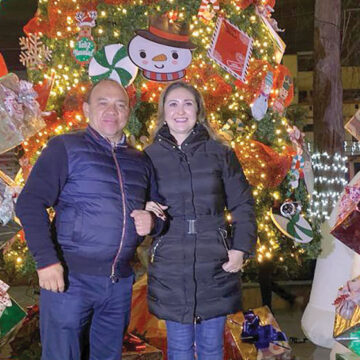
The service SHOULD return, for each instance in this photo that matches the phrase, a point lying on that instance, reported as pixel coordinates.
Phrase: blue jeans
(89, 317)
(205, 339)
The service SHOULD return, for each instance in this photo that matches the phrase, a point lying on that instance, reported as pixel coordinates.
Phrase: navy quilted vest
(94, 229)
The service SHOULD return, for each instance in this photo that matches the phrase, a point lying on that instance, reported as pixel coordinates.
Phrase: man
(98, 186)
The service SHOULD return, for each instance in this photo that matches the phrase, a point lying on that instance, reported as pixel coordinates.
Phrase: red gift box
(347, 227)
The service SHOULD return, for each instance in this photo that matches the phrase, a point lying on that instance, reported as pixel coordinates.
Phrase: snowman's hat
(164, 32)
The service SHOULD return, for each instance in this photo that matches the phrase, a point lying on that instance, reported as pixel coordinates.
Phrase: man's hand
(235, 262)
(52, 278)
(144, 222)
(157, 209)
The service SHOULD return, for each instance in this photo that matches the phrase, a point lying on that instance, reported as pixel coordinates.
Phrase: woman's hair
(200, 114)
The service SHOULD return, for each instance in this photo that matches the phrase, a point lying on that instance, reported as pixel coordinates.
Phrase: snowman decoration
(162, 52)
(260, 105)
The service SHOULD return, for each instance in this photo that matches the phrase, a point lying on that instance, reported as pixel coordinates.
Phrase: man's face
(108, 110)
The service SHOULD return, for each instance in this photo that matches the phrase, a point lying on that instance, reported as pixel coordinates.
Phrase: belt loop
(191, 229)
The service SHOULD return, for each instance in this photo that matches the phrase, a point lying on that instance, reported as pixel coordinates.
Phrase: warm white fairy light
(330, 171)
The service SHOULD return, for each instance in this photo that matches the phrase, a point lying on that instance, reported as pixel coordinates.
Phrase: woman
(193, 280)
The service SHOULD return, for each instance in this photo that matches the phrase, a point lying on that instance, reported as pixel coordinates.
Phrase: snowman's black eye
(143, 54)
(175, 55)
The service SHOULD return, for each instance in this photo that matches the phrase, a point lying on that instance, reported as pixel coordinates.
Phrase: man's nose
(112, 108)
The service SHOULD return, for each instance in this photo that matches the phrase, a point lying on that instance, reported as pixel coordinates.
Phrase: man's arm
(40, 192)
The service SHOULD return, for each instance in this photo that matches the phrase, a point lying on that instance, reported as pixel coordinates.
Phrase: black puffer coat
(186, 280)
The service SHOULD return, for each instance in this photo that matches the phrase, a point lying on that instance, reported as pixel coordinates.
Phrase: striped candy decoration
(206, 14)
(113, 62)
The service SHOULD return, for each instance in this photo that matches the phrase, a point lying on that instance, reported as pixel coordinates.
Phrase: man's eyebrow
(105, 98)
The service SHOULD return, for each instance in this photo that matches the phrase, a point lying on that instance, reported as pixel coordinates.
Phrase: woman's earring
(165, 123)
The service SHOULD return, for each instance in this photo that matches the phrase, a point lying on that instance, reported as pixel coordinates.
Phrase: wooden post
(327, 89)
(327, 106)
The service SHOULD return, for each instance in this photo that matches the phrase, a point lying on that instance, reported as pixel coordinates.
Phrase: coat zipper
(195, 317)
(112, 276)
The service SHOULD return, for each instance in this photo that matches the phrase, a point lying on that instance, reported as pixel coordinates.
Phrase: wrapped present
(8, 193)
(346, 356)
(347, 228)
(142, 321)
(11, 315)
(20, 114)
(254, 335)
(353, 125)
(27, 339)
(148, 352)
(347, 315)
(8, 231)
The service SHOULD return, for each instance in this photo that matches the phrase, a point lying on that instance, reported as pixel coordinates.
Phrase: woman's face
(180, 111)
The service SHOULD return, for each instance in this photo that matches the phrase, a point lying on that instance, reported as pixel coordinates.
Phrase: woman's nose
(181, 109)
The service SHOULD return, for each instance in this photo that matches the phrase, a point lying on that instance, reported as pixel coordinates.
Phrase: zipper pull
(114, 279)
(152, 256)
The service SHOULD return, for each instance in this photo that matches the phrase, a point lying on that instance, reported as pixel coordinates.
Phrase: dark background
(291, 15)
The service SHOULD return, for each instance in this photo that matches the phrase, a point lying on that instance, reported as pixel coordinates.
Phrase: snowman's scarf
(164, 76)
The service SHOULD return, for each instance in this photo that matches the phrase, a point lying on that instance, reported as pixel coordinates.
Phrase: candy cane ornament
(208, 9)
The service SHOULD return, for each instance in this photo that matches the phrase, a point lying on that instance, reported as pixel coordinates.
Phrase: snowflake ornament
(33, 51)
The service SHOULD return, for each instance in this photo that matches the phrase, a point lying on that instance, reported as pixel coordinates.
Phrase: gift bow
(347, 300)
(5, 300)
(351, 196)
(15, 103)
(260, 335)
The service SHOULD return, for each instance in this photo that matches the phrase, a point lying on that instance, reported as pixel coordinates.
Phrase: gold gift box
(353, 125)
(236, 349)
(341, 325)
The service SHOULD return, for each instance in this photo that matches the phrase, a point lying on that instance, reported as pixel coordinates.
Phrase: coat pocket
(155, 248)
(224, 238)
(68, 223)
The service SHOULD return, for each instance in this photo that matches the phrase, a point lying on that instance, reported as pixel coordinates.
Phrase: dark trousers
(87, 321)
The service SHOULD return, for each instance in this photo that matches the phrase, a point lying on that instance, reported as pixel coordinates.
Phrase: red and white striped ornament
(208, 9)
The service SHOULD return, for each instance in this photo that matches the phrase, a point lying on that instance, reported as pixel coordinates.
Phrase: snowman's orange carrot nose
(160, 57)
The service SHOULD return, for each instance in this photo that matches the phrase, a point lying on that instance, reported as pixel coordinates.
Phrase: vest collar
(95, 135)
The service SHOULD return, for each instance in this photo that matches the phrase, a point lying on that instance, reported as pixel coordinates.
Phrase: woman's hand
(236, 261)
(157, 209)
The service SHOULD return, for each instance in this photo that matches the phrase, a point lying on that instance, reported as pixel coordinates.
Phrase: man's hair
(88, 95)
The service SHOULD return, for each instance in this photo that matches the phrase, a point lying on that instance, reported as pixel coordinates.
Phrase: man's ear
(86, 109)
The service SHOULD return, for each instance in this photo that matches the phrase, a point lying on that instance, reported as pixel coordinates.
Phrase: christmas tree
(236, 66)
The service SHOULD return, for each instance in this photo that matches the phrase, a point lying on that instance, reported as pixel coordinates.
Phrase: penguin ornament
(162, 52)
